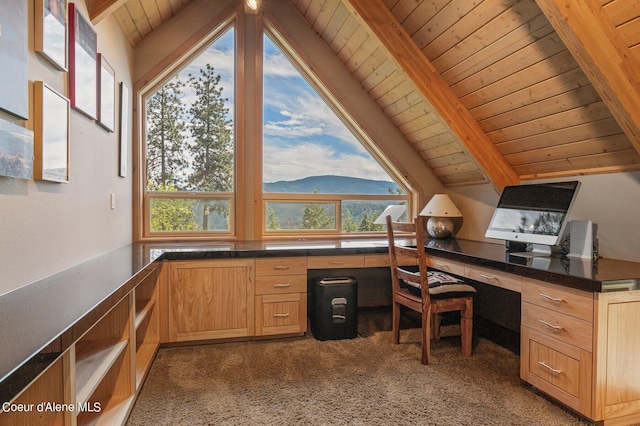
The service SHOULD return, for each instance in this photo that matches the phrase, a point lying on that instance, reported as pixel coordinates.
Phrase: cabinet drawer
(493, 277)
(331, 262)
(281, 314)
(281, 266)
(281, 284)
(383, 261)
(558, 369)
(446, 265)
(562, 299)
(566, 328)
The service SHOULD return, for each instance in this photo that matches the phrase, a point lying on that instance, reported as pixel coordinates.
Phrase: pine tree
(272, 220)
(349, 222)
(212, 147)
(166, 136)
(314, 217)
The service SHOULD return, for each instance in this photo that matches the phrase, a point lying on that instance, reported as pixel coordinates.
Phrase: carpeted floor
(363, 381)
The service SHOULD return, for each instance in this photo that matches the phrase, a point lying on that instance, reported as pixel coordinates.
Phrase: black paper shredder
(334, 308)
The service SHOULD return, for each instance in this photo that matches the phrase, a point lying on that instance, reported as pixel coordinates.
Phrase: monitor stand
(534, 250)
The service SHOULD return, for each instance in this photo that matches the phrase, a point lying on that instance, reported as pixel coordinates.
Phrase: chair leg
(426, 334)
(435, 326)
(395, 319)
(467, 328)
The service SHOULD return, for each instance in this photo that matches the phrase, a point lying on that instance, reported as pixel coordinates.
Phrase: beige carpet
(364, 381)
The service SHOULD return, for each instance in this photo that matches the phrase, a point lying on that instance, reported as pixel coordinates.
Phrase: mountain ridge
(331, 184)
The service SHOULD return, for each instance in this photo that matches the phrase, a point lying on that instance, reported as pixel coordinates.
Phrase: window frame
(248, 213)
(147, 195)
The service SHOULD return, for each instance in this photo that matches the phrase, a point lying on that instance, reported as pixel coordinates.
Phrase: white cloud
(278, 66)
(314, 159)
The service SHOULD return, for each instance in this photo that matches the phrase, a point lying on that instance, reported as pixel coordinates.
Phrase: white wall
(610, 201)
(48, 227)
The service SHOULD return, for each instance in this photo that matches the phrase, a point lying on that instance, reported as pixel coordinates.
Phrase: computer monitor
(534, 214)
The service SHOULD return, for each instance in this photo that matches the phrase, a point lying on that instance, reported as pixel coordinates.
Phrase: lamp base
(440, 227)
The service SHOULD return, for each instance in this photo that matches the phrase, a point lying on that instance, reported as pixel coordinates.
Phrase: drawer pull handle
(554, 327)
(442, 265)
(282, 285)
(281, 267)
(487, 277)
(336, 262)
(553, 370)
(281, 315)
(553, 299)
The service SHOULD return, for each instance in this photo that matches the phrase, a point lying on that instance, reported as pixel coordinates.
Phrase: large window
(301, 170)
(317, 176)
(190, 146)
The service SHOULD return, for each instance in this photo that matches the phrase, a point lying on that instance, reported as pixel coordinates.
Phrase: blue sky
(302, 135)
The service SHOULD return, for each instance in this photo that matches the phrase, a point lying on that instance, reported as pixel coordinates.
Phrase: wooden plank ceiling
(485, 90)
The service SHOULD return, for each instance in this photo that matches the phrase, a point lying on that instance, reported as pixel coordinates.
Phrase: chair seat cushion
(441, 286)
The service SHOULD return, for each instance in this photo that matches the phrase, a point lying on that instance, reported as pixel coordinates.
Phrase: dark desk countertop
(37, 319)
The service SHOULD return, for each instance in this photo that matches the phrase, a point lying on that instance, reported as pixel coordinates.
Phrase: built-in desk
(591, 313)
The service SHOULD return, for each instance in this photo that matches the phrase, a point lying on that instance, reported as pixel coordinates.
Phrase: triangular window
(309, 153)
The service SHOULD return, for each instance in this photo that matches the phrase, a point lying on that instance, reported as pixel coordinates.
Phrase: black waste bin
(334, 308)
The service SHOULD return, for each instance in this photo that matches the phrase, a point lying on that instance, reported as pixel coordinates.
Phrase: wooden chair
(459, 299)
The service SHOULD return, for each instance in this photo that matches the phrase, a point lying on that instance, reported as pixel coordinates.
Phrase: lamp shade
(440, 206)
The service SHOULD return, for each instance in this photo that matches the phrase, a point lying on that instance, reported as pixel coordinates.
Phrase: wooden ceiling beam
(595, 43)
(383, 26)
(100, 9)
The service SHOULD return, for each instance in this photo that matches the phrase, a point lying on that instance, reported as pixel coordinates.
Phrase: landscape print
(16, 151)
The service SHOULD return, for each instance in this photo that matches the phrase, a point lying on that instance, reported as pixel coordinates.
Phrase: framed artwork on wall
(51, 31)
(83, 58)
(124, 129)
(106, 95)
(14, 79)
(51, 127)
(16, 151)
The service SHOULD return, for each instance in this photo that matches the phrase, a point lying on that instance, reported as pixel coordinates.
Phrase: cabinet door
(211, 299)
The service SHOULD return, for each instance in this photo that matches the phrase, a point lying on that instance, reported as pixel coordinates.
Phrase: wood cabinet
(211, 299)
(97, 379)
(617, 370)
(281, 295)
(557, 342)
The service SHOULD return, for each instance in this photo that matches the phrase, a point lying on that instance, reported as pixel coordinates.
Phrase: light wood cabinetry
(617, 370)
(335, 262)
(557, 342)
(281, 295)
(96, 380)
(211, 299)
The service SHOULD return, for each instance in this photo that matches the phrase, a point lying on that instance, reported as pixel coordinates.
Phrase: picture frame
(16, 151)
(14, 78)
(83, 59)
(124, 129)
(51, 32)
(51, 128)
(106, 95)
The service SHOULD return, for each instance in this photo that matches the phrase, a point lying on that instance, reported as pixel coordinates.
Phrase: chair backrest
(411, 230)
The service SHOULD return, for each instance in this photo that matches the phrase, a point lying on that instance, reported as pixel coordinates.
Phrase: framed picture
(106, 95)
(16, 151)
(51, 127)
(83, 57)
(51, 31)
(14, 79)
(124, 129)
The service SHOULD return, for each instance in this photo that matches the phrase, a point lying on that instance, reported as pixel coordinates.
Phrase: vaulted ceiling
(492, 91)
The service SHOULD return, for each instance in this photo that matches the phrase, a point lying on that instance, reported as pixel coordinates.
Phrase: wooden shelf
(143, 308)
(93, 362)
(114, 413)
(144, 357)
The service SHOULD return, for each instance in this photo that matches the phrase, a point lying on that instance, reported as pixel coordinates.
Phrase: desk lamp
(445, 220)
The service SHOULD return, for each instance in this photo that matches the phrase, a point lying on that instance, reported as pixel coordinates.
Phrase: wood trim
(597, 46)
(384, 26)
(100, 9)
